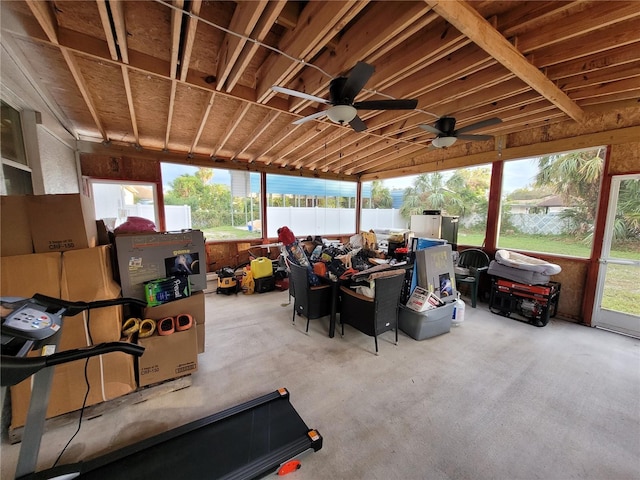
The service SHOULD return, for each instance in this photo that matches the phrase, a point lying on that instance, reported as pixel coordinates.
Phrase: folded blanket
(523, 262)
(517, 275)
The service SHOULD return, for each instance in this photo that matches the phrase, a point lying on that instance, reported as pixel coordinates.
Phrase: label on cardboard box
(145, 257)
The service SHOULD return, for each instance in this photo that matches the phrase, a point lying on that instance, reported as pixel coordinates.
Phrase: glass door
(617, 305)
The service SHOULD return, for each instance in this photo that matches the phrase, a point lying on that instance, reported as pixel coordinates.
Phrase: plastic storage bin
(261, 267)
(427, 324)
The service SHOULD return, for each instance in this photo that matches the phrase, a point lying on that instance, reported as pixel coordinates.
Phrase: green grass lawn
(621, 292)
(229, 233)
(560, 245)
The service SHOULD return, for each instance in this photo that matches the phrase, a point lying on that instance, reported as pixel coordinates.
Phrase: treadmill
(250, 440)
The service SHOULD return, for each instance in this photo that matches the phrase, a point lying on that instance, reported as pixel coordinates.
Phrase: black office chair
(311, 302)
(472, 263)
(373, 316)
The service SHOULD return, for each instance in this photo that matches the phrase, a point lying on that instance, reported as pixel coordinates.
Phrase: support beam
(466, 19)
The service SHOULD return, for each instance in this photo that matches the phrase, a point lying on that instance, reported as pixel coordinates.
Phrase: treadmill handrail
(13, 370)
(73, 308)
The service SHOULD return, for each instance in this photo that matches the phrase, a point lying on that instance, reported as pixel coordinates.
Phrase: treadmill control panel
(30, 320)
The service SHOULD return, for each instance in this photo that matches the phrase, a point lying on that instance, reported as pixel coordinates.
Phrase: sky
(518, 173)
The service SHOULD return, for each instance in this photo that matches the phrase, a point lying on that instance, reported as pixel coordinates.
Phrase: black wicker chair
(471, 264)
(373, 316)
(311, 302)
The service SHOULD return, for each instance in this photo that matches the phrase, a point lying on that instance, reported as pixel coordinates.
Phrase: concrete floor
(492, 399)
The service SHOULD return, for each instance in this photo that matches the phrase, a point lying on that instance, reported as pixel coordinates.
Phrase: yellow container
(261, 267)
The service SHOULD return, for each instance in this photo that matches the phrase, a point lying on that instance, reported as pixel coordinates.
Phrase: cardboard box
(167, 357)
(84, 275)
(110, 376)
(62, 222)
(193, 305)
(25, 275)
(15, 232)
(150, 256)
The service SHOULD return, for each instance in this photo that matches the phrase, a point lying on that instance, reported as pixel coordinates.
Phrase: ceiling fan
(342, 93)
(446, 133)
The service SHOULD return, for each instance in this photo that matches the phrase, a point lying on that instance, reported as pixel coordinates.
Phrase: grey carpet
(492, 399)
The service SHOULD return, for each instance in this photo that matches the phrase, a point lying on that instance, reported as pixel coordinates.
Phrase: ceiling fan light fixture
(443, 142)
(341, 113)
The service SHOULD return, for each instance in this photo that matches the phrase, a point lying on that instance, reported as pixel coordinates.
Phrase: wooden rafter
(245, 19)
(233, 125)
(190, 36)
(106, 26)
(471, 23)
(266, 122)
(117, 15)
(317, 20)
(132, 111)
(44, 14)
(360, 43)
(176, 31)
(269, 16)
(203, 122)
(172, 101)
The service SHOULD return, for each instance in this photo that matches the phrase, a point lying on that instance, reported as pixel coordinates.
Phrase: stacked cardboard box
(85, 275)
(171, 356)
(46, 223)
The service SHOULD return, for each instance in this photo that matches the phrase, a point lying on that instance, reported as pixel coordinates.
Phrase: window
(224, 204)
(462, 193)
(310, 206)
(549, 203)
(16, 174)
(115, 201)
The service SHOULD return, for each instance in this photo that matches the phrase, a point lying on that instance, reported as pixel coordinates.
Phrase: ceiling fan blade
(358, 77)
(295, 93)
(357, 124)
(474, 137)
(308, 118)
(431, 129)
(482, 124)
(406, 104)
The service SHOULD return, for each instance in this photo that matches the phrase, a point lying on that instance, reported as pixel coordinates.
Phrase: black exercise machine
(250, 440)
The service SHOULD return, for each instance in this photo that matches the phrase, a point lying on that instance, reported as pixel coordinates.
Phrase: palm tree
(576, 177)
(380, 195)
(429, 192)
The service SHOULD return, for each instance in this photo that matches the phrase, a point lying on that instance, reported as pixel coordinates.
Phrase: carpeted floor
(492, 399)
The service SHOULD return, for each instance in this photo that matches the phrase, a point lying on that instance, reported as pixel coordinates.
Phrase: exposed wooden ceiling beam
(203, 122)
(132, 111)
(176, 32)
(471, 23)
(171, 107)
(598, 15)
(233, 125)
(245, 17)
(46, 18)
(374, 35)
(106, 26)
(119, 25)
(578, 48)
(265, 23)
(190, 36)
(303, 42)
(266, 122)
